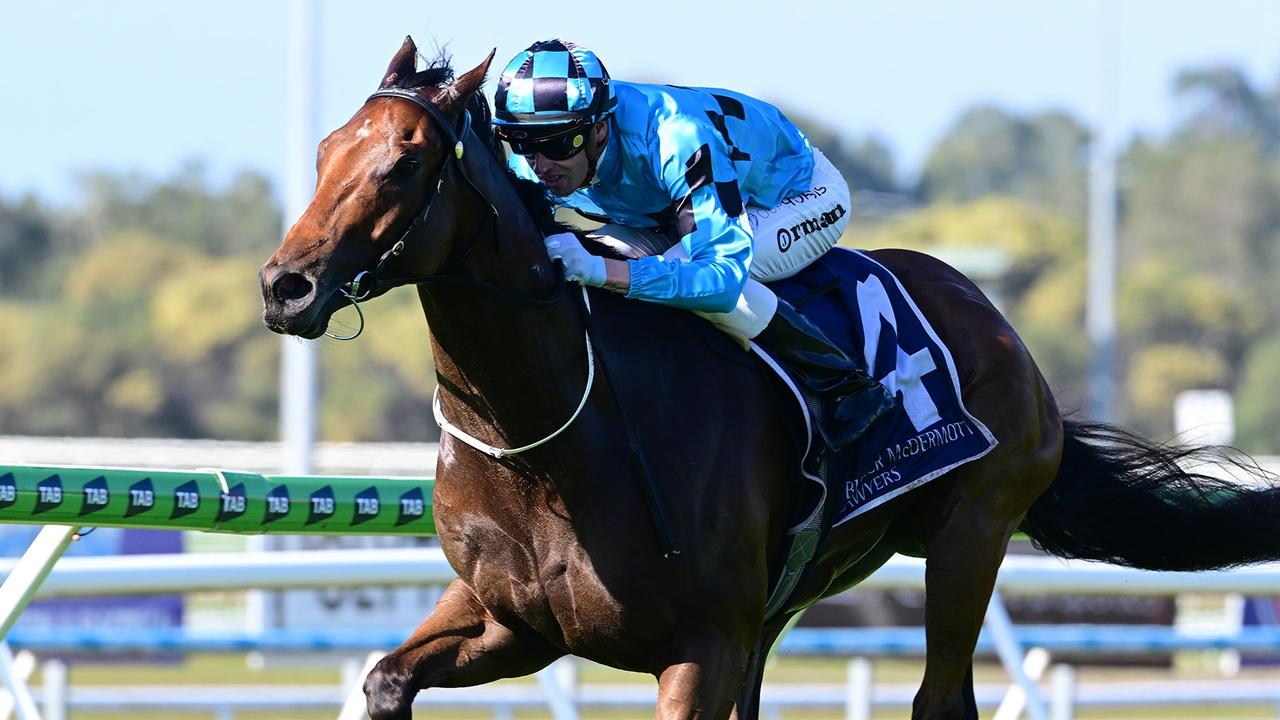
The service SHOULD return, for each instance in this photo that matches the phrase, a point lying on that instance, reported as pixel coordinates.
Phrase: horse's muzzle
(289, 303)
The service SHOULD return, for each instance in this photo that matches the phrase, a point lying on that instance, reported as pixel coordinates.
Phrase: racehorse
(555, 546)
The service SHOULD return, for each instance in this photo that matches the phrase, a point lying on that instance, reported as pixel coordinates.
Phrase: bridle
(367, 282)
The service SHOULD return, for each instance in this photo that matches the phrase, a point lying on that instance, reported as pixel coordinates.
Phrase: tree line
(136, 312)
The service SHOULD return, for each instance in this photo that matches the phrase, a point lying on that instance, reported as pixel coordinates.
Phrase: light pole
(298, 368)
(1100, 310)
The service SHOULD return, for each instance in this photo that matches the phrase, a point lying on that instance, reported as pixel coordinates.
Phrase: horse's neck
(509, 372)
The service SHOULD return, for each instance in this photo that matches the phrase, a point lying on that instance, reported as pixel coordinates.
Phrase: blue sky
(143, 86)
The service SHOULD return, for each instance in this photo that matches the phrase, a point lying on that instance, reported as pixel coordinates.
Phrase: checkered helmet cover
(553, 83)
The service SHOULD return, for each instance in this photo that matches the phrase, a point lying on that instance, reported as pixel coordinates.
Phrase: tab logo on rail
(8, 490)
(96, 496)
(232, 504)
(186, 500)
(322, 505)
(367, 505)
(48, 494)
(412, 507)
(142, 497)
(277, 504)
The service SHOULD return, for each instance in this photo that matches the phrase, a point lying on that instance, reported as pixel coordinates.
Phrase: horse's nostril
(291, 286)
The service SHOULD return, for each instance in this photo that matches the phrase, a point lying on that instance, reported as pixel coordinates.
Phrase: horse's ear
(466, 85)
(402, 65)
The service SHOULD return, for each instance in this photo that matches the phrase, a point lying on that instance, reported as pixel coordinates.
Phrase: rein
(498, 452)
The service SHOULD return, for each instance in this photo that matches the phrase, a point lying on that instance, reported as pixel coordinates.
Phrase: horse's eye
(405, 168)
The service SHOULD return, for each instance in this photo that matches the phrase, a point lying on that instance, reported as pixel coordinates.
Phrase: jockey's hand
(580, 266)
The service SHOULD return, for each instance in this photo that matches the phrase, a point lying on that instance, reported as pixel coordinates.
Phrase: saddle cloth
(865, 311)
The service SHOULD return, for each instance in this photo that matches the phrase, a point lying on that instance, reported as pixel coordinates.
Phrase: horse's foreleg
(703, 687)
(459, 644)
(963, 558)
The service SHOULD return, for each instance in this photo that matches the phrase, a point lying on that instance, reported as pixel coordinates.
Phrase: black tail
(1124, 500)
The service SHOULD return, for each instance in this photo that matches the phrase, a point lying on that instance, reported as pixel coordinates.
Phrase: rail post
(53, 689)
(858, 690)
(1064, 692)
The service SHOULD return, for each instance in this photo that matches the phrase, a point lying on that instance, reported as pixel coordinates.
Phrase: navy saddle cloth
(864, 310)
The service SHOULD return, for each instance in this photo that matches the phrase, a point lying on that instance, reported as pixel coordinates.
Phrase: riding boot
(851, 400)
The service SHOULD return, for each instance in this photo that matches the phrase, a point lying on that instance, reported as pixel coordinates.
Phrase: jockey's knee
(756, 307)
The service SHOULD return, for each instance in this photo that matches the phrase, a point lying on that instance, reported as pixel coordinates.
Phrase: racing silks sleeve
(693, 164)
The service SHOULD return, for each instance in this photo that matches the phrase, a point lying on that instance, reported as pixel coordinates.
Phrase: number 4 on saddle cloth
(863, 309)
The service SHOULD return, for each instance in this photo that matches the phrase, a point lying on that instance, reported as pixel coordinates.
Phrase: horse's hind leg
(960, 573)
(963, 557)
(459, 644)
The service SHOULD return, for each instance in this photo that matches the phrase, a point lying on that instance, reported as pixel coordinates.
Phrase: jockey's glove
(580, 266)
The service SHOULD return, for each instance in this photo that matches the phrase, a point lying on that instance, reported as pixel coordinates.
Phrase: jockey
(736, 192)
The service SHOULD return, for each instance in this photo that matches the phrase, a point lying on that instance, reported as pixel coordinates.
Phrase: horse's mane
(437, 74)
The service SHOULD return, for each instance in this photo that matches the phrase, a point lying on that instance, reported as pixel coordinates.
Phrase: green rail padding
(222, 501)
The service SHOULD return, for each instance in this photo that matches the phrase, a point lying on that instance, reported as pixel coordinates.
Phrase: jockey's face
(563, 177)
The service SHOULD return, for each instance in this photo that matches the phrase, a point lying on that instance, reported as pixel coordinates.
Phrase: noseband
(367, 282)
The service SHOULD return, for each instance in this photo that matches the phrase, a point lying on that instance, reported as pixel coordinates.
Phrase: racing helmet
(549, 89)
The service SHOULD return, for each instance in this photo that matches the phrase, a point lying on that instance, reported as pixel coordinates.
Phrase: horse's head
(376, 176)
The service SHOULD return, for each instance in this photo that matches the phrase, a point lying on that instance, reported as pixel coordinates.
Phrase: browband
(454, 136)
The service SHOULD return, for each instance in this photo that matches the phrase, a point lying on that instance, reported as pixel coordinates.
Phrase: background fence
(558, 689)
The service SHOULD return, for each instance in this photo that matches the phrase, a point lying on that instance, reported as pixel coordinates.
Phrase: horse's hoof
(388, 693)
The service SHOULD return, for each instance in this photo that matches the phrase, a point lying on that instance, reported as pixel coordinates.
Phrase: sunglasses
(558, 147)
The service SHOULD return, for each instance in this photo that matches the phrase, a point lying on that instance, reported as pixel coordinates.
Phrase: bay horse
(554, 549)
